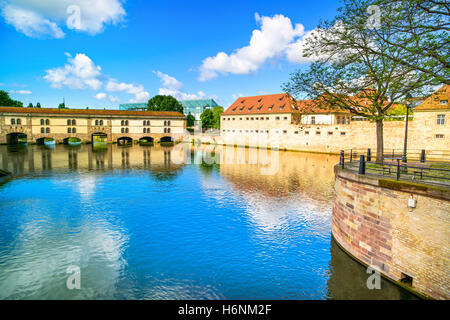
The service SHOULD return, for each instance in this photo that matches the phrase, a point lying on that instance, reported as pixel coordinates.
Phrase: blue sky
(119, 52)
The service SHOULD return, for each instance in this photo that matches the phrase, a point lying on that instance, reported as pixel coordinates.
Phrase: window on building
(318, 133)
(440, 119)
(96, 122)
(145, 130)
(69, 130)
(285, 118)
(439, 136)
(13, 121)
(168, 130)
(74, 130)
(338, 120)
(277, 118)
(168, 122)
(74, 122)
(252, 118)
(165, 123)
(144, 123)
(295, 132)
(47, 130)
(42, 130)
(342, 133)
(267, 118)
(47, 122)
(42, 122)
(330, 133)
(306, 132)
(69, 122)
(313, 120)
(101, 122)
(122, 123)
(126, 130)
(18, 121)
(122, 130)
(284, 131)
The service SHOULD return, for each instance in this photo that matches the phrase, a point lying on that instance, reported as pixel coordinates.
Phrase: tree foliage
(217, 111)
(190, 120)
(207, 118)
(164, 103)
(6, 101)
(355, 66)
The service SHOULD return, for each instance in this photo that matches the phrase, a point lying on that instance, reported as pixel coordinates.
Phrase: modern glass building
(133, 106)
(196, 107)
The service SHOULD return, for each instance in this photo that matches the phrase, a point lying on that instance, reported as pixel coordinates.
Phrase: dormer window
(281, 107)
(243, 100)
(270, 108)
(233, 110)
(250, 108)
(259, 108)
(259, 100)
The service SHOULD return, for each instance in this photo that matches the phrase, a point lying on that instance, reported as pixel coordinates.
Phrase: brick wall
(376, 226)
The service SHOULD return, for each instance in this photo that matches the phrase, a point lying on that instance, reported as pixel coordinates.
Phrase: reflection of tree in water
(348, 280)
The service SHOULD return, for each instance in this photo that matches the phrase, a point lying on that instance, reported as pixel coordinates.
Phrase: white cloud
(31, 24)
(138, 90)
(277, 37)
(21, 91)
(79, 73)
(100, 96)
(172, 87)
(44, 18)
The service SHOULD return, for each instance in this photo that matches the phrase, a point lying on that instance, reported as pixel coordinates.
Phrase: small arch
(16, 138)
(166, 139)
(146, 141)
(124, 141)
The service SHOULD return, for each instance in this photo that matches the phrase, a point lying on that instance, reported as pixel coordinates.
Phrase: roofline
(90, 112)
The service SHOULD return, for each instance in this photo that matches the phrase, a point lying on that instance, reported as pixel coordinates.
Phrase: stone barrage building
(297, 125)
(60, 124)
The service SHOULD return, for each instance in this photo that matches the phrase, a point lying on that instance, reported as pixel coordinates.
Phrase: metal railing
(425, 166)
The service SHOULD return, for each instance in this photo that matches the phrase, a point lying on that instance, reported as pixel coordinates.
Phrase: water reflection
(141, 224)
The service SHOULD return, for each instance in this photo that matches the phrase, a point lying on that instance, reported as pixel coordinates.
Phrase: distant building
(196, 107)
(133, 106)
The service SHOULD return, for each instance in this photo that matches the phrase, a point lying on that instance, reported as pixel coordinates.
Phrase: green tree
(421, 29)
(217, 111)
(6, 101)
(190, 120)
(38, 105)
(62, 105)
(30, 105)
(347, 74)
(207, 118)
(164, 103)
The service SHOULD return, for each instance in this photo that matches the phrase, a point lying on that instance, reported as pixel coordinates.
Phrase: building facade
(37, 123)
(296, 125)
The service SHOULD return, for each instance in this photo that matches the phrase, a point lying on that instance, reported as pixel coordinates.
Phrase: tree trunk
(380, 146)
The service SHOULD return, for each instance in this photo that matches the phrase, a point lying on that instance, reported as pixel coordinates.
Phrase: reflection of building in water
(295, 172)
(38, 158)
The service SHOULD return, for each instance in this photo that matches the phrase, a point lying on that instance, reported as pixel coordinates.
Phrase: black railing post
(398, 169)
(342, 159)
(351, 155)
(422, 155)
(369, 155)
(362, 165)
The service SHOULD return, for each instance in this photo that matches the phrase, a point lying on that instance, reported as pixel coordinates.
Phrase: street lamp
(408, 105)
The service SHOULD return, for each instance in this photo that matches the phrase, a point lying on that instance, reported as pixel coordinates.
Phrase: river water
(171, 223)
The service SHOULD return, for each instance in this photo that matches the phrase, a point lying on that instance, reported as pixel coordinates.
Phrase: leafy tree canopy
(164, 103)
(207, 118)
(6, 101)
(190, 120)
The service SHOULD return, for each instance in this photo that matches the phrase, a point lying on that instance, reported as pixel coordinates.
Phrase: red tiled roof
(94, 112)
(433, 102)
(272, 103)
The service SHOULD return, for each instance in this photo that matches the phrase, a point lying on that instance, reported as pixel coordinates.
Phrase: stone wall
(373, 222)
(331, 138)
